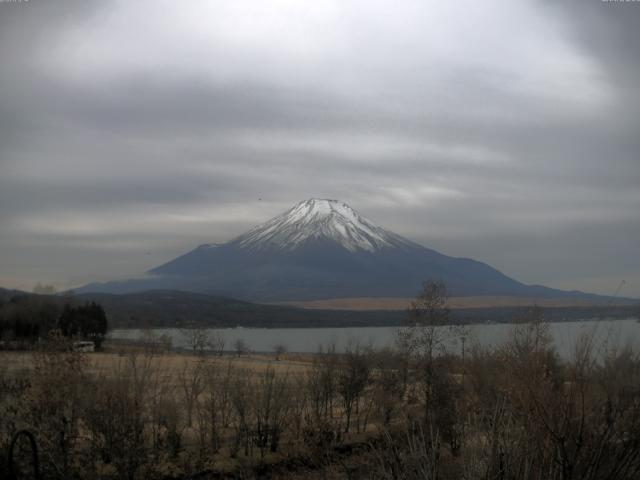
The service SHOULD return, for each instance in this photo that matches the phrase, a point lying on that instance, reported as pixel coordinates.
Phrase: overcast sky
(133, 131)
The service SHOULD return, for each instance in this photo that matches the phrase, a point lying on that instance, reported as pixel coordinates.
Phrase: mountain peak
(321, 249)
(316, 208)
(320, 219)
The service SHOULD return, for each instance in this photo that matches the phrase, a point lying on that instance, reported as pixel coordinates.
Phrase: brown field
(139, 411)
(172, 379)
(389, 303)
(113, 358)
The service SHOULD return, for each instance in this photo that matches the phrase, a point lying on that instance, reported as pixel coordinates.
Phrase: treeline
(173, 309)
(26, 319)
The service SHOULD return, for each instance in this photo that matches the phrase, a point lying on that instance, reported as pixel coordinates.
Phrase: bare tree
(353, 377)
(387, 384)
(240, 347)
(197, 339)
(241, 391)
(271, 407)
(217, 341)
(423, 337)
(191, 384)
(410, 454)
(322, 383)
(422, 334)
(54, 404)
(216, 409)
(299, 402)
(116, 415)
(154, 342)
(279, 349)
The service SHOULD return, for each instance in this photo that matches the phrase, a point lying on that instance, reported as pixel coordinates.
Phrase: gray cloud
(133, 131)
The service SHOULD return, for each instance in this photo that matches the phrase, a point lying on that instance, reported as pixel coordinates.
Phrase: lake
(619, 333)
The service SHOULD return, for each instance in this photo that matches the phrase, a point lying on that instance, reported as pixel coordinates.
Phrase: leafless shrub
(280, 349)
(217, 341)
(240, 347)
(215, 409)
(191, 386)
(421, 335)
(13, 398)
(169, 425)
(322, 384)
(321, 437)
(243, 421)
(299, 403)
(116, 415)
(197, 339)
(271, 407)
(352, 378)
(411, 454)
(154, 343)
(387, 389)
(53, 405)
(554, 420)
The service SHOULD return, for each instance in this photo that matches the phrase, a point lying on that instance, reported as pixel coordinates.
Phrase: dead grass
(388, 303)
(107, 362)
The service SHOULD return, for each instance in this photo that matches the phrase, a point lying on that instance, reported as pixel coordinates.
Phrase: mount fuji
(322, 249)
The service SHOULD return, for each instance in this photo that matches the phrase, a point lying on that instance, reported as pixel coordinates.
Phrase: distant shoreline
(395, 318)
(492, 301)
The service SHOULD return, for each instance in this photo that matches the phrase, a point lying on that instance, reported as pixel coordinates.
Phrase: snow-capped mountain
(321, 249)
(320, 219)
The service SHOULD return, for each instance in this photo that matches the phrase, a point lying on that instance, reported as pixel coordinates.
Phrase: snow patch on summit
(320, 219)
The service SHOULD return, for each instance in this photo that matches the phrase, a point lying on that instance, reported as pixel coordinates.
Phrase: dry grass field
(138, 412)
(114, 357)
(199, 412)
(388, 303)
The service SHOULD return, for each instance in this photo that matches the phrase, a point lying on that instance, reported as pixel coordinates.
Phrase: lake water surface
(618, 333)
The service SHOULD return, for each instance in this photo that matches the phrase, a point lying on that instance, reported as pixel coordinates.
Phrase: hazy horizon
(507, 132)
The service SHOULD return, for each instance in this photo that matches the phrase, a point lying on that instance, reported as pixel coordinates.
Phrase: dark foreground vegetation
(417, 412)
(27, 319)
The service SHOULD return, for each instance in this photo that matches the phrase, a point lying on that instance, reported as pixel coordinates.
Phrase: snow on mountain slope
(320, 219)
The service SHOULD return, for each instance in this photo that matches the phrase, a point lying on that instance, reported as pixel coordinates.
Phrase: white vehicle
(84, 346)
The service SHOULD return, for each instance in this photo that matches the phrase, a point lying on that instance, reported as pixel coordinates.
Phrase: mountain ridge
(322, 249)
